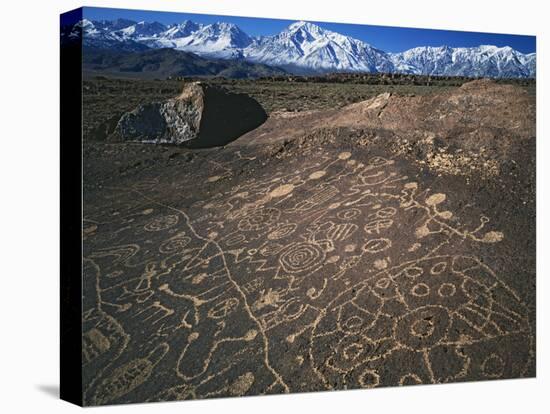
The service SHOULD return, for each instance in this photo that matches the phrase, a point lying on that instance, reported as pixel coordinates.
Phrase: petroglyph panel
(340, 271)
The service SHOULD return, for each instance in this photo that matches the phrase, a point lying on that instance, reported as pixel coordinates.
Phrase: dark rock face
(202, 116)
(353, 247)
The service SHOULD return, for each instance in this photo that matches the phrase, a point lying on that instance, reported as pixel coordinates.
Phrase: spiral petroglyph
(301, 257)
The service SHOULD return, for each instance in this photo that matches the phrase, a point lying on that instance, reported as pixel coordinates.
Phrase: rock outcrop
(201, 116)
(476, 127)
(479, 108)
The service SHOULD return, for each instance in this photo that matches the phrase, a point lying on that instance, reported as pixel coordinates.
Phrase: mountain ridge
(304, 48)
(167, 63)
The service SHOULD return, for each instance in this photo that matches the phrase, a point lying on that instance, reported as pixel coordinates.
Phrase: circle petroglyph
(282, 231)
(420, 290)
(174, 244)
(413, 271)
(423, 327)
(301, 257)
(435, 199)
(235, 239)
(369, 379)
(493, 366)
(377, 245)
(259, 219)
(446, 290)
(376, 226)
(348, 214)
(385, 213)
(383, 283)
(162, 223)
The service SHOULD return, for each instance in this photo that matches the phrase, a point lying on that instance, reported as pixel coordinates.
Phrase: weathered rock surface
(477, 126)
(327, 259)
(480, 106)
(202, 116)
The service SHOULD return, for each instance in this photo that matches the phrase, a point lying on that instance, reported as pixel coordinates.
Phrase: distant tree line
(378, 79)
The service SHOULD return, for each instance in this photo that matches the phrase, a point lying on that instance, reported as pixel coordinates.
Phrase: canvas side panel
(71, 206)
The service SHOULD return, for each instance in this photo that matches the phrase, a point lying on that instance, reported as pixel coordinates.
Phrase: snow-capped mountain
(490, 61)
(185, 29)
(141, 31)
(529, 60)
(221, 40)
(103, 34)
(304, 48)
(305, 45)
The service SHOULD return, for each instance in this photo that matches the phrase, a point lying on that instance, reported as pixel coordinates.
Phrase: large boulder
(201, 116)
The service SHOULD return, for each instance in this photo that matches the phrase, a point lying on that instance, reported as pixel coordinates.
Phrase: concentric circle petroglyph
(422, 328)
(348, 214)
(493, 366)
(301, 257)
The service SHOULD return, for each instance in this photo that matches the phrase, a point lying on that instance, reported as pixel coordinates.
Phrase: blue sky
(389, 39)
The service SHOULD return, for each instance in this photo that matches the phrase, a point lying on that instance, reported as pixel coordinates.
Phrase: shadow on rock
(202, 116)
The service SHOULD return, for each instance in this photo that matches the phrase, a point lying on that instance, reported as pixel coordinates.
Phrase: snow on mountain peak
(479, 61)
(305, 47)
(305, 26)
(180, 30)
(297, 25)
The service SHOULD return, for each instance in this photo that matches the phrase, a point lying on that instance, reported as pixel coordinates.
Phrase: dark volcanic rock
(389, 242)
(202, 116)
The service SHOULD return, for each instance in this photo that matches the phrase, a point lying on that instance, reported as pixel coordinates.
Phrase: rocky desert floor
(363, 236)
